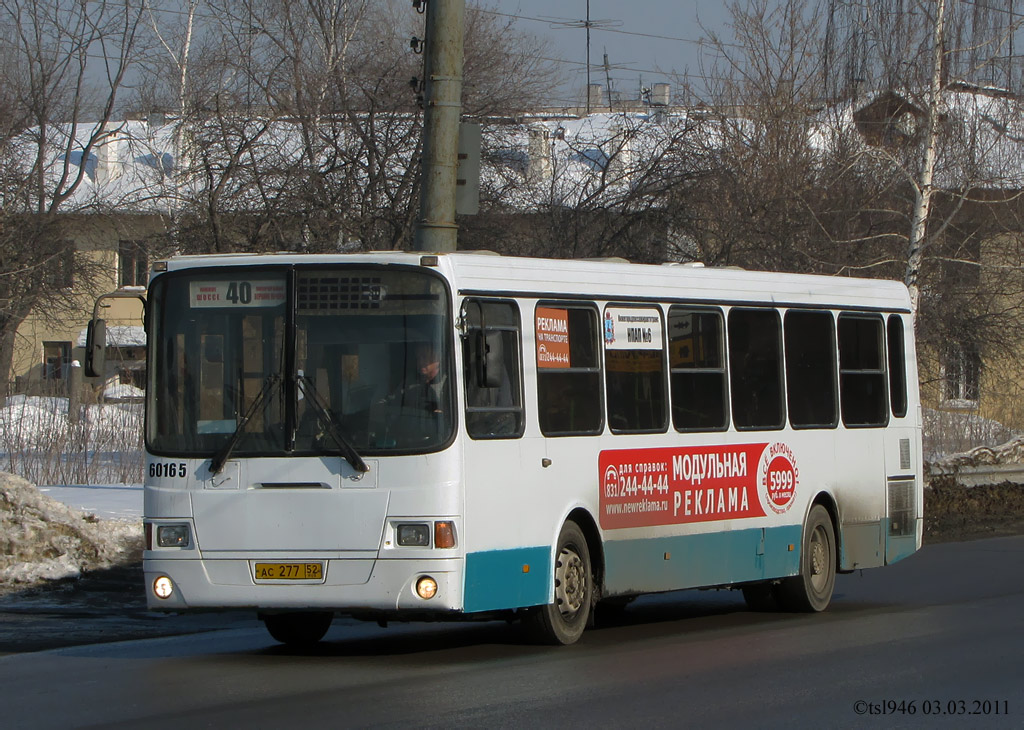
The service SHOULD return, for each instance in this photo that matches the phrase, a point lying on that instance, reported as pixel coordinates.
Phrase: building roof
(543, 161)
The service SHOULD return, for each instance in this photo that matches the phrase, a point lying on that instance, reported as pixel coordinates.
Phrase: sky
(646, 40)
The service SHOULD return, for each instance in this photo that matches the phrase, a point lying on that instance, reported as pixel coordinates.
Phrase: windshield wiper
(221, 457)
(329, 422)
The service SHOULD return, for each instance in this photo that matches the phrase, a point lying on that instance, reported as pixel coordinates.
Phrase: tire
(811, 591)
(298, 629)
(760, 597)
(563, 621)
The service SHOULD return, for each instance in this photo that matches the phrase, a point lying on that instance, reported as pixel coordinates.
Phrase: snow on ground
(108, 502)
(39, 443)
(121, 391)
(948, 434)
(42, 538)
(39, 421)
(54, 532)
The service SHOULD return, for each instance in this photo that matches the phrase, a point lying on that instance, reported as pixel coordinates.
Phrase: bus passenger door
(506, 563)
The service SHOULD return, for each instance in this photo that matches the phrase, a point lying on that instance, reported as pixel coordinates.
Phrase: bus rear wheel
(812, 590)
(298, 629)
(760, 597)
(563, 621)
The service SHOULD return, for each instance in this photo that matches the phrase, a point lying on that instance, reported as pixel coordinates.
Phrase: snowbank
(1011, 452)
(42, 539)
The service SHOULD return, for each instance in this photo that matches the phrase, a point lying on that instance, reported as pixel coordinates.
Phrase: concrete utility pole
(442, 100)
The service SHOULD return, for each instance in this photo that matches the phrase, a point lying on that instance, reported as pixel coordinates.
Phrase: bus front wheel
(298, 629)
(563, 621)
(812, 589)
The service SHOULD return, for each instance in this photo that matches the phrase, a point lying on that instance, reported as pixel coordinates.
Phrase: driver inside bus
(416, 409)
(428, 394)
(414, 412)
(428, 365)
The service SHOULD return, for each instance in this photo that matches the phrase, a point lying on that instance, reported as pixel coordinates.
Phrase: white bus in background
(590, 431)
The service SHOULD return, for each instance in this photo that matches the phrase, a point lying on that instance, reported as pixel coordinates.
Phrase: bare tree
(839, 158)
(764, 174)
(506, 71)
(65, 67)
(301, 129)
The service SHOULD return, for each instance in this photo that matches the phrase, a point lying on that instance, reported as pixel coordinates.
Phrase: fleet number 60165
(166, 469)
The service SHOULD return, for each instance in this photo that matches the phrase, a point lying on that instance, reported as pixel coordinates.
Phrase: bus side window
(634, 361)
(569, 399)
(897, 367)
(862, 371)
(492, 361)
(755, 368)
(697, 358)
(811, 390)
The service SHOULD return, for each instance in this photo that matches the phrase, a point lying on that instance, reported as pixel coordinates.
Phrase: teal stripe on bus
(898, 547)
(709, 559)
(498, 579)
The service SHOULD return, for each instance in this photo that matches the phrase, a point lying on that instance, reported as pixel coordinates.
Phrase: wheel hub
(818, 558)
(570, 582)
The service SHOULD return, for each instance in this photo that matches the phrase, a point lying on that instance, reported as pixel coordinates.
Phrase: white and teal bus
(398, 436)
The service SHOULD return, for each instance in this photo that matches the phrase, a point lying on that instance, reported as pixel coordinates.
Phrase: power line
(695, 41)
(588, 24)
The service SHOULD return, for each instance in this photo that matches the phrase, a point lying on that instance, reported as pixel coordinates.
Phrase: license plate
(289, 571)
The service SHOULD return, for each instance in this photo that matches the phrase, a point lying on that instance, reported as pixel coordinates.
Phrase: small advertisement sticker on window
(632, 329)
(552, 338)
(242, 293)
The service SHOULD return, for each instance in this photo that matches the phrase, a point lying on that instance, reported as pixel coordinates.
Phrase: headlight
(172, 536)
(426, 587)
(163, 587)
(413, 535)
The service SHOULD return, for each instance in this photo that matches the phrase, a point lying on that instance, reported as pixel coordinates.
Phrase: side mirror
(96, 349)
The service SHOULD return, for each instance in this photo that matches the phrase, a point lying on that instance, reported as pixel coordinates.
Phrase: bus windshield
(310, 361)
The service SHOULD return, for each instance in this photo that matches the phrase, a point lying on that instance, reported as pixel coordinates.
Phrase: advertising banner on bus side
(679, 485)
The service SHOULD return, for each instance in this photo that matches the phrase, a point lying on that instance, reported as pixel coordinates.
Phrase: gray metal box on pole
(467, 183)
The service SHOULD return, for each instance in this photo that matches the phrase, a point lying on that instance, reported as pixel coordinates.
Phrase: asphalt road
(934, 641)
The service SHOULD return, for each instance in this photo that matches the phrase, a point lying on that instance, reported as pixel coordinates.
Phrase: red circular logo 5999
(778, 477)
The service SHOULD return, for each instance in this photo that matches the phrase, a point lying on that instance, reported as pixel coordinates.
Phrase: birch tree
(923, 182)
(172, 60)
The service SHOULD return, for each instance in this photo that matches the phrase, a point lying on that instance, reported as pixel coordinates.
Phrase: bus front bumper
(347, 585)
